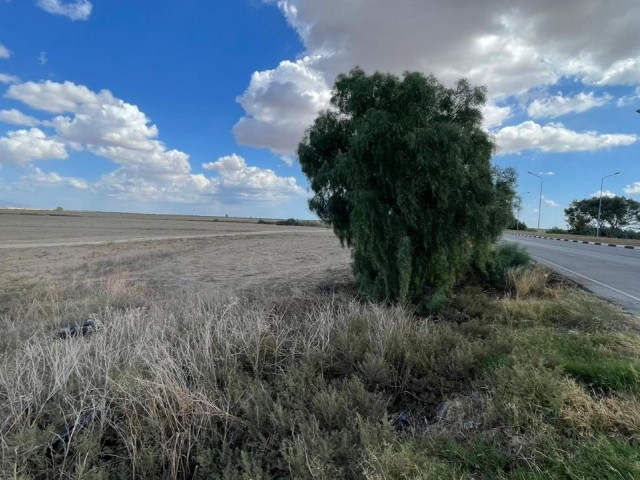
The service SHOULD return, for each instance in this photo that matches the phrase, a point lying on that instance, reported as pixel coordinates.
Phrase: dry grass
(206, 384)
(526, 281)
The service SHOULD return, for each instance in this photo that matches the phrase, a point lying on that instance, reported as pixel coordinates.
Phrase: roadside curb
(604, 244)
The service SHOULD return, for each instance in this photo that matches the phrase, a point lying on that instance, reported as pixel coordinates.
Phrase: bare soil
(178, 252)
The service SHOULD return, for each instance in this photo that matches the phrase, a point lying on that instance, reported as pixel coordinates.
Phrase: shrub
(556, 230)
(492, 270)
(290, 222)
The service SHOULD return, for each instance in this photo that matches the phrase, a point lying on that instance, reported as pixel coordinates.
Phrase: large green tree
(616, 213)
(401, 168)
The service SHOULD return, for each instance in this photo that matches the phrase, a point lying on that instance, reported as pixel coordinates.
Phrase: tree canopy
(617, 213)
(401, 169)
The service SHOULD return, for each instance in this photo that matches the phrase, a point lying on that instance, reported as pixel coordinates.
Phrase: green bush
(492, 270)
(292, 222)
(556, 230)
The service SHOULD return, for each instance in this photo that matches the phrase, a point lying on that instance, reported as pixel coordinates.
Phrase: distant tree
(516, 224)
(401, 169)
(617, 213)
(59, 209)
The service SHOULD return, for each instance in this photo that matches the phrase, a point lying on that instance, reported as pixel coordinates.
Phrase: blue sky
(197, 106)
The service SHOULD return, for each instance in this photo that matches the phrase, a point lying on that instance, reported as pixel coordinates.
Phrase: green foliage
(616, 213)
(290, 222)
(517, 225)
(492, 269)
(556, 230)
(401, 169)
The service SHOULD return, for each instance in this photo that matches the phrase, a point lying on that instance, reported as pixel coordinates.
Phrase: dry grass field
(246, 354)
(163, 251)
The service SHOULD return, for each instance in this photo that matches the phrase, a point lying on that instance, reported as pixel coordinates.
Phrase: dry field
(163, 251)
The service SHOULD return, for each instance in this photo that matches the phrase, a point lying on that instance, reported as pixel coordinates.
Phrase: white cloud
(22, 146)
(16, 117)
(559, 105)
(37, 176)
(554, 137)
(633, 189)
(105, 125)
(605, 193)
(8, 79)
(622, 72)
(630, 99)
(551, 203)
(547, 174)
(494, 116)
(509, 47)
(73, 9)
(42, 58)
(147, 170)
(238, 180)
(4, 51)
(55, 97)
(280, 104)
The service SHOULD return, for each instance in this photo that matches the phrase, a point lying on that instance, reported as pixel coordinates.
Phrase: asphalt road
(611, 273)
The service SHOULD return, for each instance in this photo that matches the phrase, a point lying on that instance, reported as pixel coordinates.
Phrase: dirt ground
(37, 247)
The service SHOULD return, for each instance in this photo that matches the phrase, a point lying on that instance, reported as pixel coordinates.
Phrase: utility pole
(600, 202)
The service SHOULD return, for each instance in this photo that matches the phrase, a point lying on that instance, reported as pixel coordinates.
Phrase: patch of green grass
(602, 458)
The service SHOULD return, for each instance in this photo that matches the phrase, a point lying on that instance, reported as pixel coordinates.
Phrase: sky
(197, 106)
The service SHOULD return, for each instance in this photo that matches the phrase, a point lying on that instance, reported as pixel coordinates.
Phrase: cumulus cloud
(509, 47)
(4, 51)
(55, 97)
(147, 170)
(550, 203)
(559, 105)
(238, 180)
(633, 189)
(605, 193)
(37, 176)
(494, 116)
(105, 125)
(73, 9)
(280, 104)
(16, 117)
(8, 79)
(22, 146)
(554, 137)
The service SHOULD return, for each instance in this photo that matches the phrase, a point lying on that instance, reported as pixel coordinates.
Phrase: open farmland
(163, 251)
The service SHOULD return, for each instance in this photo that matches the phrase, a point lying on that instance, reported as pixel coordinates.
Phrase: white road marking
(588, 278)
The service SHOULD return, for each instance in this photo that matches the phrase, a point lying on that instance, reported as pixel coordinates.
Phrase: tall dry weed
(527, 281)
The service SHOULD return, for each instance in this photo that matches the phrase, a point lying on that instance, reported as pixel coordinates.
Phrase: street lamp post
(540, 201)
(600, 202)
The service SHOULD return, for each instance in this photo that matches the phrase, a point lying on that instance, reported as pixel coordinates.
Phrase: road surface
(611, 273)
